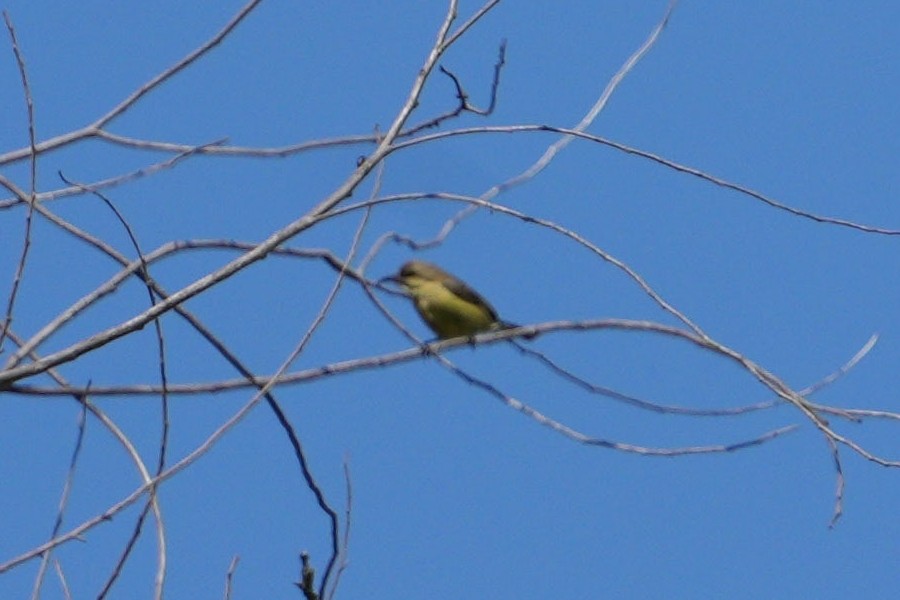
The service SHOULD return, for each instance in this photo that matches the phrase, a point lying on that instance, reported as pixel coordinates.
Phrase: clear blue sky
(454, 494)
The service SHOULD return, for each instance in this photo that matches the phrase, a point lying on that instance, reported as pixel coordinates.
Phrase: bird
(446, 304)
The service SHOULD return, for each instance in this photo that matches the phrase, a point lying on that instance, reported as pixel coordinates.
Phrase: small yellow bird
(446, 304)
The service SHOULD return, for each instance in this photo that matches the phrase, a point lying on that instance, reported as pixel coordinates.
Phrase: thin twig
(63, 501)
(152, 500)
(839, 483)
(844, 369)
(229, 576)
(326, 306)
(424, 139)
(63, 584)
(345, 546)
(26, 241)
(633, 400)
(118, 180)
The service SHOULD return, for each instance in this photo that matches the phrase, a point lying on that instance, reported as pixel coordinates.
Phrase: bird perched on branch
(447, 305)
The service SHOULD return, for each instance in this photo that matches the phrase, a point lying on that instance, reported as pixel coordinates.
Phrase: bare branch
(229, 576)
(655, 158)
(26, 241)
(63, 502)
(94, 128)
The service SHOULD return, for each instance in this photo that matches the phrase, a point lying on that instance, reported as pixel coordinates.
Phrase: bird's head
(416, 273)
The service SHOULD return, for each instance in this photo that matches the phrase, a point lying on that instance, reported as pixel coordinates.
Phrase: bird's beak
(392, 278)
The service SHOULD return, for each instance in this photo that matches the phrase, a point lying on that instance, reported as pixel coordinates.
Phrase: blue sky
(453, 493)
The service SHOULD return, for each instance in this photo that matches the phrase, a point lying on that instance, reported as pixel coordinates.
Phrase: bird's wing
(469, 295)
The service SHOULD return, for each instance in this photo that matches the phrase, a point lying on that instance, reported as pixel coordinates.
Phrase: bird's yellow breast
(447, 314)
